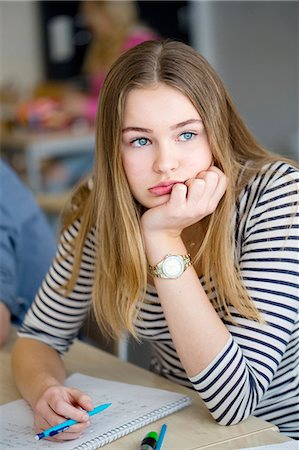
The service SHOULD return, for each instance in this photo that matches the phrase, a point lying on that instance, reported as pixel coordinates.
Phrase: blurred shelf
(34, 147)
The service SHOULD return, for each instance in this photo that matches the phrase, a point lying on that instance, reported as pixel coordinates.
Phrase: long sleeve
(56, 318)
(27, 244)
(8, 269)
(257, 371)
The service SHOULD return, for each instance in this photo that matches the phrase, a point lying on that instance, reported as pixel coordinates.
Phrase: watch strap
(157, 270)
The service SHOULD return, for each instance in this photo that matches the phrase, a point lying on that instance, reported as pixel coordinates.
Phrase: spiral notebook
(133, 407)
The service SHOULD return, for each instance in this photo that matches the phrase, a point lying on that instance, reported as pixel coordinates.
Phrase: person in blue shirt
(27, 247)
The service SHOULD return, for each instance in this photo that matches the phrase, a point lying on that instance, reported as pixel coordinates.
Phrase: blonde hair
(121, 265)
(122, 16)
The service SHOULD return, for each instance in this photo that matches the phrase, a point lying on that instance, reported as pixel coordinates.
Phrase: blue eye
(140, 142)
(187, 136)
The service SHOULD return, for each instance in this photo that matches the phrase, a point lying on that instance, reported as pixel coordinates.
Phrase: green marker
(150, 441)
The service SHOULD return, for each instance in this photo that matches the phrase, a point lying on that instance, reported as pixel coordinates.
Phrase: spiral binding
(134, 425)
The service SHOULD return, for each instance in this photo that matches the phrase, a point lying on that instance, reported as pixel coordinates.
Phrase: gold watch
(172, 266)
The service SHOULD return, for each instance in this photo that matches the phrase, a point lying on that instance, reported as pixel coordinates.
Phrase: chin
(158, 201)
(151, 202)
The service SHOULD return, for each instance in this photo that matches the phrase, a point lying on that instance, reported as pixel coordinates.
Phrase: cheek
(204, 157)
(132, 168)
(206, 160)
(199, 161)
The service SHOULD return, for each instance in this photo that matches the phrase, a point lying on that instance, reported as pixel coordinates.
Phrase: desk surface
(190, 429)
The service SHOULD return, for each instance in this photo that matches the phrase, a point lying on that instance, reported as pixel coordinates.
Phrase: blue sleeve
(8, 237)
(27, 244)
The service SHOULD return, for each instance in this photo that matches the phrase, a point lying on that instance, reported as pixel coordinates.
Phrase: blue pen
(161, 437)
(65, 425)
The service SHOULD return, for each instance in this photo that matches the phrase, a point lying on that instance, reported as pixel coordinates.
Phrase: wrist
(171, 266)
(158, 245)
(44, 383)
(150, 230)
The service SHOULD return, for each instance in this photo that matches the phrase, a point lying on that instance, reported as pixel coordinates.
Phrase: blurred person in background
(115, 28)
(27, 247)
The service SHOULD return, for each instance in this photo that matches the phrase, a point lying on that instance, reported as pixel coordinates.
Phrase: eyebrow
(186, 122)
(174, 127)
(143, 130)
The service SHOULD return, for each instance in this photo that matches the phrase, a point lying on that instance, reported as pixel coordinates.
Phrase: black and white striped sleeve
(257, 368)
(55, 318)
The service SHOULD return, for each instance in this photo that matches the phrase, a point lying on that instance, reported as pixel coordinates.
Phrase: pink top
(134, 38)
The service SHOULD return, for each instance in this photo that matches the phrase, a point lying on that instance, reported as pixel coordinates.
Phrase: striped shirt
(257, 372)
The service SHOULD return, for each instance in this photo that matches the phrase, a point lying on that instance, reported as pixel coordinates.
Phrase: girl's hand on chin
(188, 203)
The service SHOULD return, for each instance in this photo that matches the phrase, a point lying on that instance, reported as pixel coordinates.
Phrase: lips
(163, 188)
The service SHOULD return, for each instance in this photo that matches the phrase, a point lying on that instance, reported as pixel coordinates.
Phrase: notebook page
(129, 402)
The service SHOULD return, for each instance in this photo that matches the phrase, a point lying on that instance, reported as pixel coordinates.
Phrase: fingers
(188, 203)
(72, 432)
(73, 404)
(196, 190)
(58, 404)
(41, 424)
(85, 402)
(178, 193)
(205, 191)
(201, 195)
(220, 186)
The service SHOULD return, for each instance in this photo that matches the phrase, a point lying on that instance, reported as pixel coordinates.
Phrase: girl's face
(163, 142)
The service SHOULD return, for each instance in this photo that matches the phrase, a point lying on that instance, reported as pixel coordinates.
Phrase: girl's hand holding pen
(59, 403)
(188, 203)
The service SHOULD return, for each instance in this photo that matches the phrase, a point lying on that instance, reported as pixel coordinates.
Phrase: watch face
(173, 266)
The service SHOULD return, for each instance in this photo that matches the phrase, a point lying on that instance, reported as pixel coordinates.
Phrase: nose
(166, 159)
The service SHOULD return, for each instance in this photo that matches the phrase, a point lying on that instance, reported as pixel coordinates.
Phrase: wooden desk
(190, 429)
(266, 437)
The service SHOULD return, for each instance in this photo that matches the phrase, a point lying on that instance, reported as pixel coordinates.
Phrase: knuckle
(58, 405)
(198, 183)
(214, 177)
(52, 391)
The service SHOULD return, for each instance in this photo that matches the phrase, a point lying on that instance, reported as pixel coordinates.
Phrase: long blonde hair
(121, 265)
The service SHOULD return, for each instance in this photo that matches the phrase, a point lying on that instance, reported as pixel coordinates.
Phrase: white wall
(20, 45)
(254, 47)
